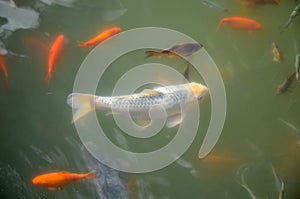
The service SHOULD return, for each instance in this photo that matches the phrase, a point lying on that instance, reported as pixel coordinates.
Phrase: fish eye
(199, 97)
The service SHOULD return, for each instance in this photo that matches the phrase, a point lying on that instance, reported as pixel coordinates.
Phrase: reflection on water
(37, 135)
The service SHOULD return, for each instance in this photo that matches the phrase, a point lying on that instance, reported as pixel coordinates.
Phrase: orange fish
(54, 55)
(58, 180)
(3, 68)
(101, 37)
(214, 159)
(241, 23)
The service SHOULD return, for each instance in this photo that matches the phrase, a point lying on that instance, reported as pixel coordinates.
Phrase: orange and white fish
(171, 98)
(185, 50)
(58, 180)
(242, 23)
(54, 55)
(101, 37)
(3, 68)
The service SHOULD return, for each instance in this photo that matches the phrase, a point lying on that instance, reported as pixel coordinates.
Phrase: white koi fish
(171, 98)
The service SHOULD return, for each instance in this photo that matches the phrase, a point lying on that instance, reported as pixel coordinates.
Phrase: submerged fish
(178, 50)
(101, 37)
(171, 98)
(242, 23)
(215, 5)
(296, 130)
(297, 65)
(293, 15)
(249, 2)
(3, 68)
(58, 180)
(282, 88)
(276, 53)
(109, 183)
(54, 55)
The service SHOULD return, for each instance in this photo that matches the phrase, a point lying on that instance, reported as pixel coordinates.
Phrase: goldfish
(54, 55)
(282, 88)
(171, 98)
(241, 23)
(58, 180)
(276, 53)
(3, 68)
(176, 51)
(101, 37)
(292, 17)
(211, 159)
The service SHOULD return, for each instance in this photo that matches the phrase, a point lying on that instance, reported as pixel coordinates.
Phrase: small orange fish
(214, 159)
(54, 55)
(58, 180)
(241, 23)
(101, 37)
(3, 68)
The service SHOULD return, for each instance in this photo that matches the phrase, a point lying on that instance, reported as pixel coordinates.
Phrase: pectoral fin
(51, 188)
(174, 120)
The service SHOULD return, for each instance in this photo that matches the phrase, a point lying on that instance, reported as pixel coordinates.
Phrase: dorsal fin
(149, 92)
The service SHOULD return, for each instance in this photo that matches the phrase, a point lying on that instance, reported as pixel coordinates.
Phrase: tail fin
(81, 43)
(151, 53)
(47, 78)
(218, 27)
(83, 103)
(90, 175)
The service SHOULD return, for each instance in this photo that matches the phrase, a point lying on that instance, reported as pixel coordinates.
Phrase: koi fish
(215, 5)
(3, 68)
(109, 183)
(171, 98)
(176, 51)
(297, 65)
(101, 37)
(276, 53)
(54, 55)
(282, 88)
(241, 23)
(293, 15)
(58, 180)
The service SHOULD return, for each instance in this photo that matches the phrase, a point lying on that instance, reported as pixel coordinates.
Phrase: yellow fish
(276, 53)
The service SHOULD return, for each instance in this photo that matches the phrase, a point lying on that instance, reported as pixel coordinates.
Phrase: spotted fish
(170, 98)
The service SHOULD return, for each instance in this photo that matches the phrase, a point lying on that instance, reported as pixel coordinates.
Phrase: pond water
(258, 153)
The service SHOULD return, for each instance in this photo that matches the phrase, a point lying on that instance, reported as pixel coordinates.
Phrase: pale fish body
(297, 65)
(170, 98)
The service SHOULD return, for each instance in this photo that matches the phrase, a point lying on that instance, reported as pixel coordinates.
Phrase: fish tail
(150, 53)
(82, 103)
(82, 44)
(218, 27)
(48, 78)
(90, 175)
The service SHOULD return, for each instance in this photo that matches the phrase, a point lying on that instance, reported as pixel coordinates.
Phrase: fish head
(116, 30)
(37, 181)
(199, 91)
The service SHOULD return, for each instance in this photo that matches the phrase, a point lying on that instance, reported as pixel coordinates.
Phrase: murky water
(258, 154)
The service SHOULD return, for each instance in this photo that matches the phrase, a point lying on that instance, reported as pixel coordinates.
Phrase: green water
(37, 135)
